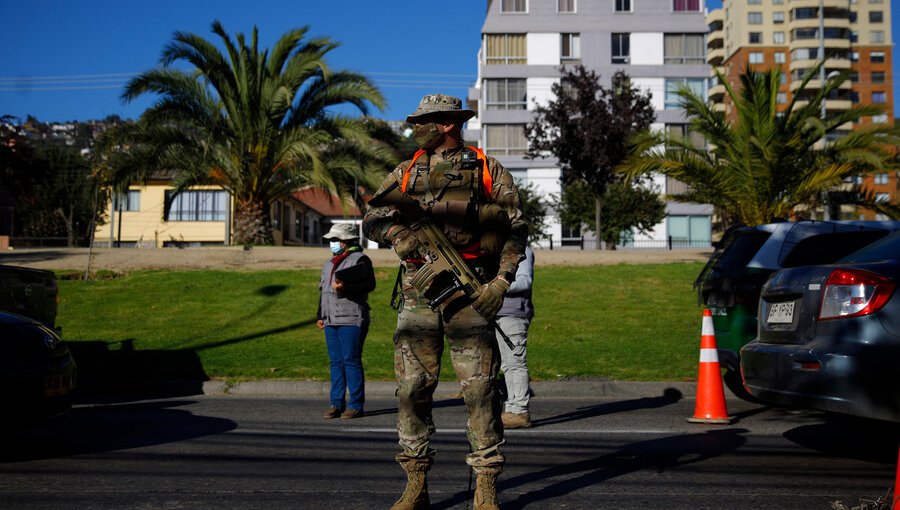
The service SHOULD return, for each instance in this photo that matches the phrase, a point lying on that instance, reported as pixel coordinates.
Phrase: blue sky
(68, 60)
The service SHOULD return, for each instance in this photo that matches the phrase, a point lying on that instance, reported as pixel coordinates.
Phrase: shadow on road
(669, 396)
(102, 428)
(849, 437)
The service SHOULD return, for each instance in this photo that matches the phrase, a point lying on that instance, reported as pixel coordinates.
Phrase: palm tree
(258, 124)
(766, 165)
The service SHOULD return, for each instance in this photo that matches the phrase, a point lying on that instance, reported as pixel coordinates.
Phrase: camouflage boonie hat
(434, 105)
(342, 232)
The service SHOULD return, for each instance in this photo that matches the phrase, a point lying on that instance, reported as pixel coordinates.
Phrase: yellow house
(198, 217)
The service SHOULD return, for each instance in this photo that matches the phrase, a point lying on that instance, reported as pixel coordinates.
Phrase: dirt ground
(278, 257)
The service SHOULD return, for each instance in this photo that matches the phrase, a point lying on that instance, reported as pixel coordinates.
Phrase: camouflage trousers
(418, 346)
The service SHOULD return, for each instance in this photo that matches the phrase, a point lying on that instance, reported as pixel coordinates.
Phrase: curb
(555, 389)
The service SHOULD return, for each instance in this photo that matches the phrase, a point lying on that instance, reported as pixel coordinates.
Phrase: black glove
(490, 297)
(405, 243)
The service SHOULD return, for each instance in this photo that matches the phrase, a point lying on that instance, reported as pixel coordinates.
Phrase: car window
(738, 253)
(827, 248)
(885, 249)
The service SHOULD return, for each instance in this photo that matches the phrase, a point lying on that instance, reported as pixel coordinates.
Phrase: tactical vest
(459, 201)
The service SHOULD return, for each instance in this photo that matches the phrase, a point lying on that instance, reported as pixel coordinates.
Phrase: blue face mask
(335, 247)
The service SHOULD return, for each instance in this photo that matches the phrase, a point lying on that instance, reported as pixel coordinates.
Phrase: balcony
(815, 84)
(715, 57)
(834, 4)
(843, 44)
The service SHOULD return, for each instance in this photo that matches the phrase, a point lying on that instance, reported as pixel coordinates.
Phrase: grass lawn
(624, 322)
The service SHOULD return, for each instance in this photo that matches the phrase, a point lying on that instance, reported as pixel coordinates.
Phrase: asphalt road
(223, 452)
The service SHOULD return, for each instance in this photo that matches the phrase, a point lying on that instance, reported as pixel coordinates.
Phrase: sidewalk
(555, 389)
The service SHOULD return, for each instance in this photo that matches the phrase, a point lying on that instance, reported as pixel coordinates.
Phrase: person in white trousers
(514, 318)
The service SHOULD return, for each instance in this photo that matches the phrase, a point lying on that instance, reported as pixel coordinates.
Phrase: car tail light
(852, 293)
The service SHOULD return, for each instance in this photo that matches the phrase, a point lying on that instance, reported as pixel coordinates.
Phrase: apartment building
(851, 35)
(660, 44)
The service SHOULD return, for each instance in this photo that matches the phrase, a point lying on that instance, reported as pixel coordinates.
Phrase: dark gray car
(829, 336)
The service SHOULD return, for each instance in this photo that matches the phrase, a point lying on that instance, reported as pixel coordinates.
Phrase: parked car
(829, 336)
(37, 372)
(32, 293)
(730, 283)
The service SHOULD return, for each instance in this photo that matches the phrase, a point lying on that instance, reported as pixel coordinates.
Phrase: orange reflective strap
(486, 180)
(406, 173)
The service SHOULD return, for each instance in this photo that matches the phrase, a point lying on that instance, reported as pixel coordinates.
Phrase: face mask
(335, 247)
(428, 136)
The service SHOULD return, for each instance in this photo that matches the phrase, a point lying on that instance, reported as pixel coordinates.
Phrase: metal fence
(580, 243)
(39, 242)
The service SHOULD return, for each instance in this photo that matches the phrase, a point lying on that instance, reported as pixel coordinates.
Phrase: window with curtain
(756, 57)
(513, 6)
(673, 101)
(505, 139)
(754, 18)
(197, 206)
(686, 5)
(876, 57)
(130, 201)
(505, 49)
(780, 57)
(565, 5)
(684, 49)
(621, 48)
(570, 47)
(505, 94)
(879, 97)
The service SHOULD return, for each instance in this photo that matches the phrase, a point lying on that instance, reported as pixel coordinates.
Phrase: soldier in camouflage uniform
(441, 182)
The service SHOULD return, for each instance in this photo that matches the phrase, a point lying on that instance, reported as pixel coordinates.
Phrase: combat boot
(486, 492)
(415, 496)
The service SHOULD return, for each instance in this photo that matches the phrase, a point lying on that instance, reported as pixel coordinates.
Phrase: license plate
(781, 313)
(57, 385)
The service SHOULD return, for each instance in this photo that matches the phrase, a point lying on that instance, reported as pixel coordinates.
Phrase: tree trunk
(598, 208)
(252, 225)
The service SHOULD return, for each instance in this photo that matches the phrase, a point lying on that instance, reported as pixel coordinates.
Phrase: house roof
(324, 202)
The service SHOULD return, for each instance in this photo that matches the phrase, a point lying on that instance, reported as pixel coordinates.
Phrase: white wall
(539, 90)
(646, 48)
(656, 86)
(543, 49)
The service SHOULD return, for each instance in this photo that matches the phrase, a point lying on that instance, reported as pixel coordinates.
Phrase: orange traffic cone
(710, 407)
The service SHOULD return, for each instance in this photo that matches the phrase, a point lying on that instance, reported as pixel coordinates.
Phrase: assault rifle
(445, 280)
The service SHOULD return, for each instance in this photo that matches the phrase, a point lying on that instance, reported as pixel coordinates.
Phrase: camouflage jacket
(379, 220)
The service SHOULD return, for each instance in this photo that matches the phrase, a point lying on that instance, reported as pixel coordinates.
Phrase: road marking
(386, 430)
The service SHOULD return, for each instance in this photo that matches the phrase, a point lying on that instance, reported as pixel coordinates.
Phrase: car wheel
(734, 382)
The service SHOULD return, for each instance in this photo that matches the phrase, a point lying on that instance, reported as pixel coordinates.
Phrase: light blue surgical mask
(335, 247)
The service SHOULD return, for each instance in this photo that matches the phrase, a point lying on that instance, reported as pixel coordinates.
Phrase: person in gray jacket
(347, 279)
(514, 318)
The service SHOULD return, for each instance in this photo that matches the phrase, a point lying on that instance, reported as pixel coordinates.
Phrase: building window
(510, 6)
(879, 97)
(684, 132)
(130, 201)
(684, 49)
(882, 198)
(881, 178)
(854, 56)
(686, 5)
(505, 49)
(505, 139)
(520, 176)
(880, 119)
(565, 6)
(781, 97)
(673, 85)
(876, 36)
(778, 37)
(623, 5)
(778, 17)
(505, 94)
(805, 13)
(198, 206)
(876, 17)
(782, 78)
(756, 57)
(778, 2)
(754, 18)
(620, 48)
(754, 2)
(876, 57)
(877, 76)
(755, 37)
(570, 47)
(780, 57)
(689, 230)
(854, 77)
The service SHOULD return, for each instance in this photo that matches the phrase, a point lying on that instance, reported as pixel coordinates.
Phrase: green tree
(536, 211)
(765, 165)
(259, 123)
(587, 128)
(629, 206)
